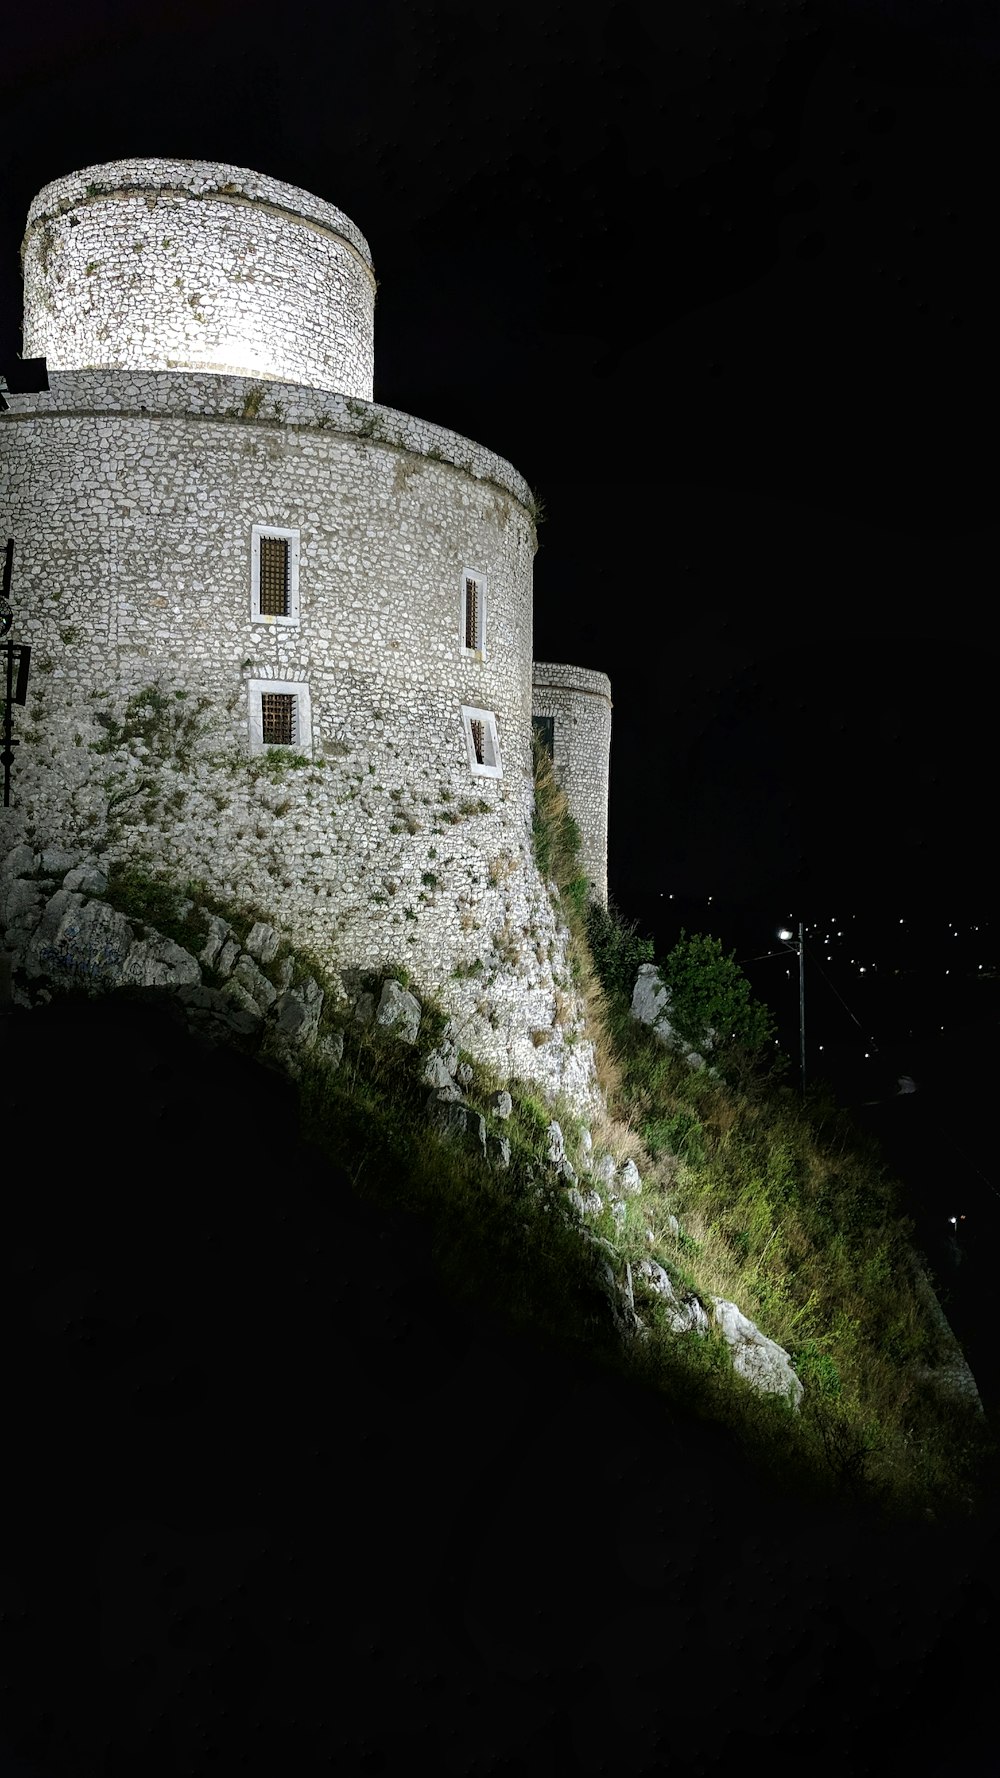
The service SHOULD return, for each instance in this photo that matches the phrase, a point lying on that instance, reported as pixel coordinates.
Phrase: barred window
(274, 575)
(280, 714)
(277, 718)
(473, 611)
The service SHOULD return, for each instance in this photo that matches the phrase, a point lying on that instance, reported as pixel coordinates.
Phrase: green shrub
(617, 948)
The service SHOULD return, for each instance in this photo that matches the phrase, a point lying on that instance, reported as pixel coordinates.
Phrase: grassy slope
(785, 1208)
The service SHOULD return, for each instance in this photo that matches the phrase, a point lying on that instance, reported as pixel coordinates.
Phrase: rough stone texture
(137, 488)
(683, 1317)
(88, 878)
(400, 1010)
(158, 962)
(246, 972)
(603, 1170)
(578, 701)
(262, 942)
(651, 1006)
(765, 1365)
(185, 265)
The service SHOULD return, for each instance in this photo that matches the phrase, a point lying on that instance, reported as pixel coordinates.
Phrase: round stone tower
(571, 710)
(185, 265)
(282, 636)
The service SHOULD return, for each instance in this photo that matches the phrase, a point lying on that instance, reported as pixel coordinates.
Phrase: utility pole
(786, 939)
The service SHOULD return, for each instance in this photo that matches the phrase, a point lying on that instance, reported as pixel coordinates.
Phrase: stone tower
(284, 634)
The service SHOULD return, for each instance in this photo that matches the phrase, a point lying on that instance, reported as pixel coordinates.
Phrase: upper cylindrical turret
(189, 265)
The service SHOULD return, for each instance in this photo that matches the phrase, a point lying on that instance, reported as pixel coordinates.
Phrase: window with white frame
(473, 613)
(280, 715)
(274, 575)
(481, 741)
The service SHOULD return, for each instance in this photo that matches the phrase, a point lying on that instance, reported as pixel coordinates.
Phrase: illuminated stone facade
(390, 822)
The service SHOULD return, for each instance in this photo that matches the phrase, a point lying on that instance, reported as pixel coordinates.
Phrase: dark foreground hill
(272, 1503)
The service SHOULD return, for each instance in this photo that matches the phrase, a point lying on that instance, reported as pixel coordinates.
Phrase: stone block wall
(132, 498)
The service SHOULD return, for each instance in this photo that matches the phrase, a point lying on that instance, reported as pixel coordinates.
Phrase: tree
(712, 1007)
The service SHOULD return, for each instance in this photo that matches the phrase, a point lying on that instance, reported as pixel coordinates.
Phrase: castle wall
(577, 702)
(133, 498)
(191, 265)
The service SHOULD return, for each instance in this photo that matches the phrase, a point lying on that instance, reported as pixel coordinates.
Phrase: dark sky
(719, 281)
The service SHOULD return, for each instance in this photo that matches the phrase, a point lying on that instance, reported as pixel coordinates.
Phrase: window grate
(277, 712)
(471, 614)
(275, 587)
(478, 727)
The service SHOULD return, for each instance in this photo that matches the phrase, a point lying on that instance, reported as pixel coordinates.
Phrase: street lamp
(787, 938)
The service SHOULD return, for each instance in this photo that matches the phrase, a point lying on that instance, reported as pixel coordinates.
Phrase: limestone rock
(262, 942)
(498, 1151)
(766, 1366)
(20, 861)
(19, 902)
(88, 878)
(500, 1104)
(435, 1073)
(219, 934)
(159, 962)
(238, 996)
(463, 1074)
(629, 1179)
(86, 941)
(556, 1148)
(227, 956)
(254, 981)
(399, 1010)
(57, 860)
(587, 1203)
(603, 1170)
(683, 1316)
(296, 1013)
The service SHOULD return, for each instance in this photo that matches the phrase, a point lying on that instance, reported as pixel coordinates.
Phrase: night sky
(719, 281)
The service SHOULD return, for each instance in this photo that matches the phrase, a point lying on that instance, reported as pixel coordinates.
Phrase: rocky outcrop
(651, 1006)
(60, 935)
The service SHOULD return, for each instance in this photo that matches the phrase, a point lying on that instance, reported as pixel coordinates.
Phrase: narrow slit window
(275, 579)
(473, 625)
(277, 712)
(477, 727)
(471, 613)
